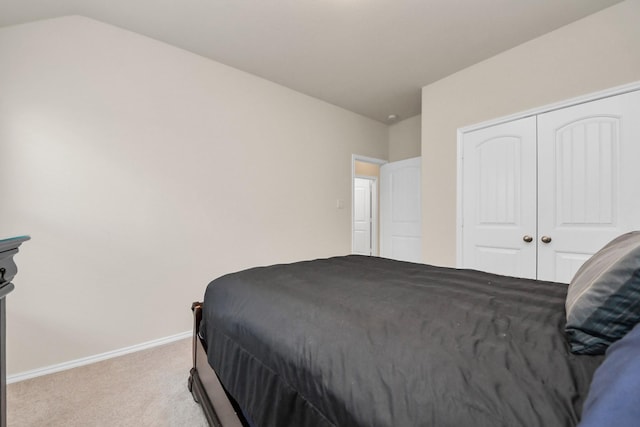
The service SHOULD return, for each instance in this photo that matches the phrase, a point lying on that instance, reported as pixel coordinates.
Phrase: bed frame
(8, 270)
(219, 408)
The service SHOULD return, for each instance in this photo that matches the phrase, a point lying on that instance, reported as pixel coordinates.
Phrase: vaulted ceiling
(368, 56)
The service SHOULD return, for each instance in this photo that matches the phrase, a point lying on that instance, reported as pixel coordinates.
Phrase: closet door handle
(527, 238)
(546, 239)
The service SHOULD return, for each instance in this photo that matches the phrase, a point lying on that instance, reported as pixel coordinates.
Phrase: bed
(367, 341)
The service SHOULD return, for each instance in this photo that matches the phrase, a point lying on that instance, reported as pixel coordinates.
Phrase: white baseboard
(96, 358)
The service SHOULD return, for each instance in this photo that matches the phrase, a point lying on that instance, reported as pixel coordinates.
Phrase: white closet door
(499, 199)
(588, 181)
(400, 217)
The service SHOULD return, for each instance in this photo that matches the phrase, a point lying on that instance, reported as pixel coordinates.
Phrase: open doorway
(365, 207)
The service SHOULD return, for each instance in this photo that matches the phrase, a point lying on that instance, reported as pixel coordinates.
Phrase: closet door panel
(588, 174)
(499, 199)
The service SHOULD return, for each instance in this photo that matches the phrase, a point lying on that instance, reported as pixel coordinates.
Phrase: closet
(539, 194)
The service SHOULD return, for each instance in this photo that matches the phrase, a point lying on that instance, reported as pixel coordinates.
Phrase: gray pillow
(603, 300)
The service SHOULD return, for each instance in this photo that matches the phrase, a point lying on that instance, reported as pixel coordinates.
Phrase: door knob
(545, 239)
(527, 238)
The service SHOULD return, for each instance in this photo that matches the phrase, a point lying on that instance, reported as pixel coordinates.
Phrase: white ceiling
(368, 56)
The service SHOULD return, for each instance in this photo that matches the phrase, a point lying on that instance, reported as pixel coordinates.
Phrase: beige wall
(595, 53)
(404, 139)
(142, 172)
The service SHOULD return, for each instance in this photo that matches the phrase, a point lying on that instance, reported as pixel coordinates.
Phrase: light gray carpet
(147, 388)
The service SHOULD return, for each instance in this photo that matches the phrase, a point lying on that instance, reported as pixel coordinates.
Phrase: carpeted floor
(147, 388)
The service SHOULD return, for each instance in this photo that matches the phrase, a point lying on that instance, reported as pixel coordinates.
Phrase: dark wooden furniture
(8, 270)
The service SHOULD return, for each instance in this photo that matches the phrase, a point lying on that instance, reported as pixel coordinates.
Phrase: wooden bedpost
(205, 385)
(196, 307)
(8, 270)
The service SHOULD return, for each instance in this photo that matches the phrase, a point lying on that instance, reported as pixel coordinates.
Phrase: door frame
(374, 200)
(618, 90)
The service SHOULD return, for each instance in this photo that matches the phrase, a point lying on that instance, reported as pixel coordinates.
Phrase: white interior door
(400, 210)
(588, 181)
(499, 199)
(362, 216)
